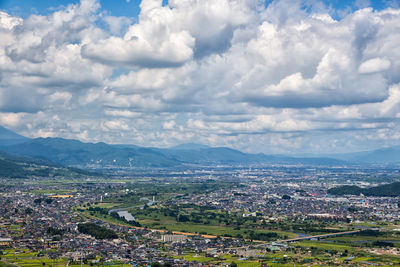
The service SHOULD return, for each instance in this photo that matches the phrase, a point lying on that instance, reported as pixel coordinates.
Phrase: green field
(54, 191)
(26, 258)
(155, 218)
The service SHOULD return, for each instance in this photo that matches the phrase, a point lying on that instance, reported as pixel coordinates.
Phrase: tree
(97, 231)
(183, 218)
(28, 211)
(345, 253)
(382, 244)
(55, 231)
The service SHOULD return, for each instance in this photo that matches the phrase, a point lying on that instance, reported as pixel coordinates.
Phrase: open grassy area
(222, 259)
(3, 264)
(27, 258)
(324, 246)
(212, 229)
(300, 258)
(347, 253)
(156, 219)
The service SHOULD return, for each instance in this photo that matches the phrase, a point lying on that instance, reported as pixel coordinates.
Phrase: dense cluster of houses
(308, 201)
(45, 226)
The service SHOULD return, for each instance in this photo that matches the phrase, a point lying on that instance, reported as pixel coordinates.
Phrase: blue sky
(282, 76)
(26, 7)
(130, 8)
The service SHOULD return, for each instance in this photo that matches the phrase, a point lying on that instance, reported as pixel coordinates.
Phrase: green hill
(387, 190)
(12, 166)
(98, 155)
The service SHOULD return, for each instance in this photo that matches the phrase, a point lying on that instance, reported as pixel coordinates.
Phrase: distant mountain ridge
(75, 153)
(69, 152)
(100, 155)
(189, 146)
(387, 155)
(8, 137)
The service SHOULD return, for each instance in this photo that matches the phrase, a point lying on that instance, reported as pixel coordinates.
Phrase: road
(317, 236)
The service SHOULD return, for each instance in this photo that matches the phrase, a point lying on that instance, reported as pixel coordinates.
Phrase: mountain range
(8, 137)
(388, 155)
(75, 153)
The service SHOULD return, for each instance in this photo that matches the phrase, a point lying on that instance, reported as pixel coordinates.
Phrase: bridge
(317, 236)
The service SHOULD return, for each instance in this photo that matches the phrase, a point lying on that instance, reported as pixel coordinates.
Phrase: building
(173, 238)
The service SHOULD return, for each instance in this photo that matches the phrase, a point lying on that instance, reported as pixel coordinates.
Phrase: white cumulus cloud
(266, 77)
(374, 65)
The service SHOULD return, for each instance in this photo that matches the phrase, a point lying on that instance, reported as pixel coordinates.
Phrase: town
(208, 216)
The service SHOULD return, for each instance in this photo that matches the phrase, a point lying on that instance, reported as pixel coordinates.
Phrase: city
(246, 216)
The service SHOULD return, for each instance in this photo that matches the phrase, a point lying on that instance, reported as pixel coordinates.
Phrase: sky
(274, 76)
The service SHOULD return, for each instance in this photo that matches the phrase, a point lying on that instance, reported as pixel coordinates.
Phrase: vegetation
(382, 244)
(11, 170)
(97, 231)
(40, 200)
(345, 190)
(370, 233)
(55, 231)
(388, 190)
(12, 166)
(157, 264)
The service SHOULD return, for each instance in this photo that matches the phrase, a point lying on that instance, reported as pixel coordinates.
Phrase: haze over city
(259, 76)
